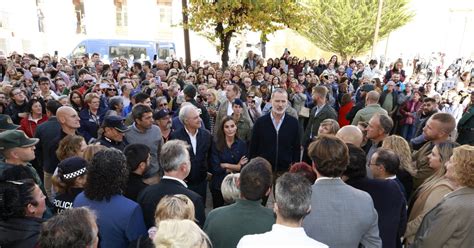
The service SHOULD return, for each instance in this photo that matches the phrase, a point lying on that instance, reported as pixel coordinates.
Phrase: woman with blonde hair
(212, 106)
(451, 222)
(70, 146)
(432, 191)
(174, 207)
(405, 173)
(91, 150)
(180, 233)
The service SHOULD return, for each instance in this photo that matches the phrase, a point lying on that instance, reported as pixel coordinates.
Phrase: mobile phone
(56, 53)
(155, 57)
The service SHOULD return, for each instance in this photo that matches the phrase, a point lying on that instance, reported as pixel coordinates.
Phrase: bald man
(372, 107)
(69, 121)
(351, 135)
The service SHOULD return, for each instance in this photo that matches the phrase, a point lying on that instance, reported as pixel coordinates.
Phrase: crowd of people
(123, 155)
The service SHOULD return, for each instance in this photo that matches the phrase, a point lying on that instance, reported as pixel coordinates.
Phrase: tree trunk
(187, 47)
(224, 39)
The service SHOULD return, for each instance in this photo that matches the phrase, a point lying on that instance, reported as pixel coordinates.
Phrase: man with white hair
(351, 135)
(199, 141)
(175, 160)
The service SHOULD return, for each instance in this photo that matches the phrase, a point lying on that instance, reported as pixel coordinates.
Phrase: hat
(162, 113)
(15, 138)
(6, 123)
(72, 167)
(367, 87)
(115, 122)
(238, 102)
(190, 91)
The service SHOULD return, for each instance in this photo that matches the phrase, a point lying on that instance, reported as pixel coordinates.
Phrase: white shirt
(277, 126)
(280, 236)
(193, 139)
(176, 179)
(230, 110)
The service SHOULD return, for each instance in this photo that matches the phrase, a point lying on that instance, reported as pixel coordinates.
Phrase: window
(80, 14)
(79, 51)
(165, 15)
(121, 13)
(127, 52)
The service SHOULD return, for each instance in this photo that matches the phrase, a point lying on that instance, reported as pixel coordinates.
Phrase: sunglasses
(111, 89)
(88, 81)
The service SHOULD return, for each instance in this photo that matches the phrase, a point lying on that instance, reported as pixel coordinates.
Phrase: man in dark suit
(319, 113)
(175, 160)
(199, 141)
(46, 132)
(275, 136)
(384, 164)
(388, 200)
(341, 215)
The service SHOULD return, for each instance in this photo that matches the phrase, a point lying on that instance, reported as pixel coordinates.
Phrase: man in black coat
(46, 132)
(275, 136)
(388, 199)
(189, 95)
(199, 141)
(175, 160)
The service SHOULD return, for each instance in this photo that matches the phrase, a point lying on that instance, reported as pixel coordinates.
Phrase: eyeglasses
(18, 93)
(111, 89)
(88, 81)
(163, 104)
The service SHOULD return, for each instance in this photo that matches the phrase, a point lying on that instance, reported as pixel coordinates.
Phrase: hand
(243, 161)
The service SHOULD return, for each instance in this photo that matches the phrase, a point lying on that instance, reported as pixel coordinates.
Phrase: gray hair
(173, 154)
(293, 196)
(184, 111)
(386, 123)
(161, 99)
(229, 189)
(115, 100)
(71, 228)
(281, 91)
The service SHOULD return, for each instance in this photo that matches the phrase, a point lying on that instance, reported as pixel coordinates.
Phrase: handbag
(304, 112)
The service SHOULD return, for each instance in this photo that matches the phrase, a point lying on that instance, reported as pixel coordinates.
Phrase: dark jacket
(113, 144)
(19, 232)
(280, 149)
(394, 100)
(135, 185)
(315, 120)
(359, 105)
(390, 205)
(230, 155)
(89, 124)
(200, 160)
(46, 133)
(14, 109)
(466, 127)
(151, 196)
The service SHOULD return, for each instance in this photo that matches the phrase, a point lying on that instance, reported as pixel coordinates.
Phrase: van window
(79, 51)
(127, 51)
(165, 52)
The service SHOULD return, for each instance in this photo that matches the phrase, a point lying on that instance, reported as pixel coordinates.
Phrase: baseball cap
(16, 138)
(72, 167)
(162, 113)
(238, 102)
(367, 87)
(115, 122)
(6, 123)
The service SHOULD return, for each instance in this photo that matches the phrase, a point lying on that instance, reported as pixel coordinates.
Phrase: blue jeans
(408, 131)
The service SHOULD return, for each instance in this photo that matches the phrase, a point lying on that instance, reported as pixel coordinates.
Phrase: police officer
(113, 132)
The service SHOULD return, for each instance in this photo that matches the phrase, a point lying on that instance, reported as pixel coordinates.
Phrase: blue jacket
(90, 125)
(230, 155)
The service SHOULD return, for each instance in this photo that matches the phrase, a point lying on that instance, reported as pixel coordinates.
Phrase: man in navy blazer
(341, 216)
(388, 199)
(174, 158)
(199, 141)
(275, 136)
